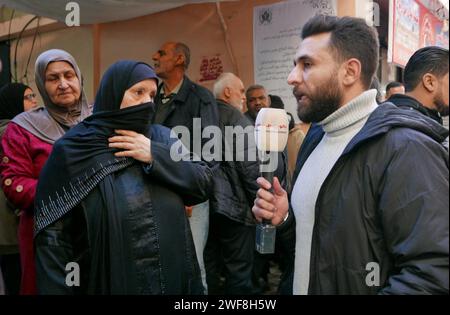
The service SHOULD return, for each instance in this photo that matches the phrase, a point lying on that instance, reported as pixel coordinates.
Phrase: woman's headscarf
(50, 123)
(11, 100)
(117, 79)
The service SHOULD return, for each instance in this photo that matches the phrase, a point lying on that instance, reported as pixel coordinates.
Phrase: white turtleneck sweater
(340, 128)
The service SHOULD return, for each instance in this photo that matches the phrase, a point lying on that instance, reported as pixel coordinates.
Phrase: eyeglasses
(30, 97)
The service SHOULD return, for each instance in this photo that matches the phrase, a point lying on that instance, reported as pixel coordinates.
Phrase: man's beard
(323, 103)
(441, 107)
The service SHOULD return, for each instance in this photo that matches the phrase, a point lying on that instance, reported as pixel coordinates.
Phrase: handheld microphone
(271, 134)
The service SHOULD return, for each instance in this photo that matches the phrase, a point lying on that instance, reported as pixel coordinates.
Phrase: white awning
(97, 11)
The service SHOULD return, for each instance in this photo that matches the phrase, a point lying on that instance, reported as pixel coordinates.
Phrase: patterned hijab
(49, 123)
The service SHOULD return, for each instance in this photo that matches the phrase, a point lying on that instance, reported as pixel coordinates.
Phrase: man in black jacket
(426, 83)
(231, 239)
(187, 108)
(370, 199)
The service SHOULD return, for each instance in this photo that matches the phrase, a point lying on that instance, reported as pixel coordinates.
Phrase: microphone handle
(269, 177)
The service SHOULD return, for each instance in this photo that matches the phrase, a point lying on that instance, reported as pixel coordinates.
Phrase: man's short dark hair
(183, 49)
(350, 38)
(393, 84)
(252, 88)
(432, 59)
(276, 102)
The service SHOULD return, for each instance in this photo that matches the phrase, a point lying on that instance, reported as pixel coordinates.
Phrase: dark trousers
(260, 273)
(10, 268)
(229, 252)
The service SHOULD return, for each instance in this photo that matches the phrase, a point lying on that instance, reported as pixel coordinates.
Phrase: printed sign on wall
(210, 68)
(413, 26)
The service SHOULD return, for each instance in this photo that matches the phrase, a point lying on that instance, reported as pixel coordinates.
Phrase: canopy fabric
(97, 11)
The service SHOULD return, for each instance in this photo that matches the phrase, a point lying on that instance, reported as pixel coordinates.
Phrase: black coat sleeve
(414, 207)
(173, 166)
(245, 160)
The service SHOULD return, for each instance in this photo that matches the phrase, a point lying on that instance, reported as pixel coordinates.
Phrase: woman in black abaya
(112, 200)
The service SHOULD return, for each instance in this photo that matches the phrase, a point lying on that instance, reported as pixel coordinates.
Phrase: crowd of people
(96, 200)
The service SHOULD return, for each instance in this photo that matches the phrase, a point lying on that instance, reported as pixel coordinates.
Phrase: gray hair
(224, 80)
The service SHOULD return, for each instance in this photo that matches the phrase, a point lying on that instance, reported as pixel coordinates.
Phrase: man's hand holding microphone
(271, 204)
(274, 206)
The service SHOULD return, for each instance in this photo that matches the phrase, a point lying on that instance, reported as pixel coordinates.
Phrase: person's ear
(180, 60)
(227, 92)
(351, 71)
(430, 82)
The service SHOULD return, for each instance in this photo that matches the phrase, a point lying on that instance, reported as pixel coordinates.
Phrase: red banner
(414, 27)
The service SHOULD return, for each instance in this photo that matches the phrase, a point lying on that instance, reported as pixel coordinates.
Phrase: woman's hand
(135, 145)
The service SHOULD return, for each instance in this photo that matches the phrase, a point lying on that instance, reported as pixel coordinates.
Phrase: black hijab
(11, 100)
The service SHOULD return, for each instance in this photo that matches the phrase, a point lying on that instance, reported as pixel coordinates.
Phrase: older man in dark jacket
(231, 239)
(370, 199)
(186, 108)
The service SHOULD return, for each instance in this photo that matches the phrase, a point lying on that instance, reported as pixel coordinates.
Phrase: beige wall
(199, 27)
(347, 7)
(77, 41)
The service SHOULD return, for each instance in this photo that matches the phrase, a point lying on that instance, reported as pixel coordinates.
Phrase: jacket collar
(183, 91)
(180, 98)
(408, 102)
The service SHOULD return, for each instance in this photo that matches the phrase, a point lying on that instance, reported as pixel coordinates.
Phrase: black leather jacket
(234, 182)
